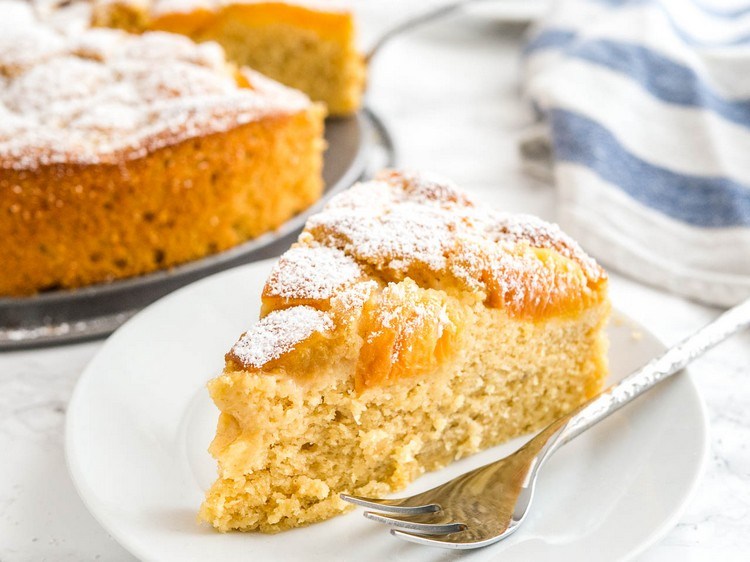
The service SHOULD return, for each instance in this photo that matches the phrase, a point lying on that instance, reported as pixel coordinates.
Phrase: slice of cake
(122, 154)
(308, 46)
(407, 328)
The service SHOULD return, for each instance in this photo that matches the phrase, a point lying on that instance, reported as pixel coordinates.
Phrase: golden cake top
(410, 225)
(102, 96)
(386, 247)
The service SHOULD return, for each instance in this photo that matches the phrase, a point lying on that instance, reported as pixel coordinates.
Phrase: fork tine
(421, 539)
(426, 539)
(463, 541)
(423, 528)
(390, 506)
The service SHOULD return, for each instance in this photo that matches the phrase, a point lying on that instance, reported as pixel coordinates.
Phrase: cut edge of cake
(310, 46)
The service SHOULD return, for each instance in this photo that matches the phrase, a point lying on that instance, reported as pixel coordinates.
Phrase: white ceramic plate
(140, 421)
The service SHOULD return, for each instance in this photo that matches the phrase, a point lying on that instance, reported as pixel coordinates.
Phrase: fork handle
(654, 372)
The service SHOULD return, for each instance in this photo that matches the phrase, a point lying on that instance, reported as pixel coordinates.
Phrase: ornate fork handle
(489, 503)
(651, 374)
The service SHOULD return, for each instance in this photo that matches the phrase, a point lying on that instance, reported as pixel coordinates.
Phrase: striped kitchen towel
(646, 107)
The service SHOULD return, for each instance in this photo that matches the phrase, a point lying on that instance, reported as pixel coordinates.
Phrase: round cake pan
(357, 146)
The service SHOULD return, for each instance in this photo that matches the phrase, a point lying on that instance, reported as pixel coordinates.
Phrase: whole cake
(408, 327)
(122, 154)
(307, 45)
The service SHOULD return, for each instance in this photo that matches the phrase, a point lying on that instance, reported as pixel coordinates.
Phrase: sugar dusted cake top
(102, 95)
(278, 333)
(386, 240)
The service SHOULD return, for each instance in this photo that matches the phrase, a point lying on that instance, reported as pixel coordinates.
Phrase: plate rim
(670, 522)
(75, 470)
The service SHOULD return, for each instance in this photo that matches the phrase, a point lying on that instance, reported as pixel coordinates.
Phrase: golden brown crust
(123, 154)
(66, 226)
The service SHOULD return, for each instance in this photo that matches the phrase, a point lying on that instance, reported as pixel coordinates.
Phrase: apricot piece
(407, 331)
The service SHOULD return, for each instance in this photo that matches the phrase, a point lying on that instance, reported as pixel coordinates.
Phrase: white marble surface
(450, 94)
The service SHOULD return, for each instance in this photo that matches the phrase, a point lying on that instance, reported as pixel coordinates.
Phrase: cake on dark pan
(123, 154)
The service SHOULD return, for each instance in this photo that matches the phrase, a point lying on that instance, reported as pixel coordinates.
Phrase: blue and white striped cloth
(646, 104)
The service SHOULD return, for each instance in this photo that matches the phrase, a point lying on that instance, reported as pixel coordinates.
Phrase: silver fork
(489, 503)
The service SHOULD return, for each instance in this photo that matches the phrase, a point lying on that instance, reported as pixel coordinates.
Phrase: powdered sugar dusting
(311, 273)
(102, 96)
(404, 314)
(515, 228)
(277, 334)
(403, 220)
(404, 234)
(349, 301)
(22, 42)
(426, 188)
(405, 223)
